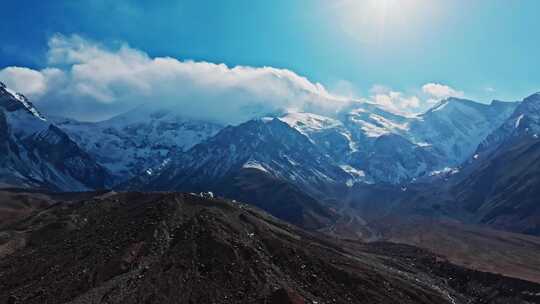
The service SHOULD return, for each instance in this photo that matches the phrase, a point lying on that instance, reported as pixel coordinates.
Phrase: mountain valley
(450, 181)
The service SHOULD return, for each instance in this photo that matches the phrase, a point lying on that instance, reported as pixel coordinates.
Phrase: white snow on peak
(140, 139)
(267, 119)
(312, 124)
(376, 125)
(309, 122)
(22, 99)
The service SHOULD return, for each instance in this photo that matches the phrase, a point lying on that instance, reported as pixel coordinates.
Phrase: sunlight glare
(373, 21)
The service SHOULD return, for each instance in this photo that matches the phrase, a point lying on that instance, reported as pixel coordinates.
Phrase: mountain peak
(461, 104)
(445, 103)
(533, 97)
(14, 101)
(531, 104)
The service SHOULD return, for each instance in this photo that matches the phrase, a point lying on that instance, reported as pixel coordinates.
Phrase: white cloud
(98, 82)
(89, 81)
(437, 91)
(395, 101)
(30, 82)
(414, 101)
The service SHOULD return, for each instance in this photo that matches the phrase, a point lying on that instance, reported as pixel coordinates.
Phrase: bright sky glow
(388, 50)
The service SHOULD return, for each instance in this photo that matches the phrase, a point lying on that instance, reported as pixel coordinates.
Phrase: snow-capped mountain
(524, 121)
(366, 144)
(331, 136)
(499, 185)
(381, 146)
(455, 127)
(35, 152)
(139, 140)
(268, 145)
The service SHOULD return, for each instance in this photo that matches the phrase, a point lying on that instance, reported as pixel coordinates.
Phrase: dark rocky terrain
(183, 248)
(277, 197)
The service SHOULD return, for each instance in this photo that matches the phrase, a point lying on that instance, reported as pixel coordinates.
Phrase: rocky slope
(524, 121)
(181, 248)
(500, 184)
(264, 162)
(35, 153)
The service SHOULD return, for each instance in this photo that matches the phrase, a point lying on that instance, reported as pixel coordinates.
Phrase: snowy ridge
(139, 140)
(363, 138)
(524, 121)
(365, 145)
(36, 153)
(6, 92)
(270, 146)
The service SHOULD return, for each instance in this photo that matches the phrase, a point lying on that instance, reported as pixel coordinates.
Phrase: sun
(372, 21)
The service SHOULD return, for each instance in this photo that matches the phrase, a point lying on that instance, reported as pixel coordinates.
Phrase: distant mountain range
(368, 143)
(448, 180)
(498, 185)
(299, 166)
(141, 139)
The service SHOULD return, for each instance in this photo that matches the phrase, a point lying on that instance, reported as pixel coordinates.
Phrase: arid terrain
(185, 248)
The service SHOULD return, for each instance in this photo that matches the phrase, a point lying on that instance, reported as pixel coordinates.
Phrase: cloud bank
(89, 81)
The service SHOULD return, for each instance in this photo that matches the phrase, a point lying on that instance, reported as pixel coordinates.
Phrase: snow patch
(447, 170)
(518, 121)
(423, 144)
(255, 165)
(353, 171)
(267, 119)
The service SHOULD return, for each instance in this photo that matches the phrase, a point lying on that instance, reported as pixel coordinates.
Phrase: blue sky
(484, 48)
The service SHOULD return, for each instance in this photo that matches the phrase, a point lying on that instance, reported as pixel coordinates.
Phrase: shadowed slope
(179, 248)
